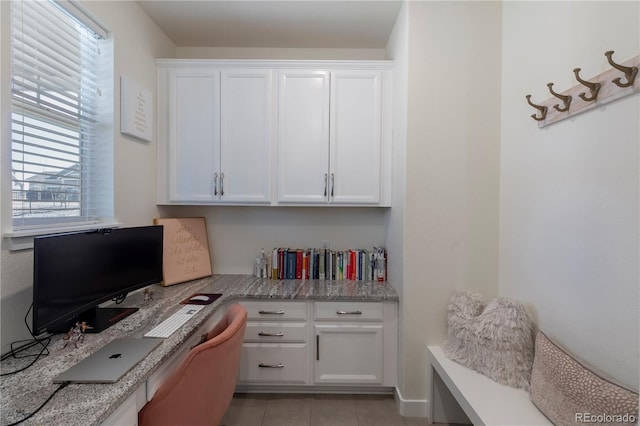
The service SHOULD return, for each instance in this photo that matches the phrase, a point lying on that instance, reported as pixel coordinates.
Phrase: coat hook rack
(629, 72)
(542, 109)
(605, 87)
(593, 87)
(566, 99)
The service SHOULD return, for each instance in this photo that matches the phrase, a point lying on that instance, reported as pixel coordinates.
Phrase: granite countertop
(91, 404)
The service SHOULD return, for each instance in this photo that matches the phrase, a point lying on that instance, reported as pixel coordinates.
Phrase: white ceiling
(354, 24)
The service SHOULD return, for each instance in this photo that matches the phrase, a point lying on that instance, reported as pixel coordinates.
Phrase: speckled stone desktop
(91, 404)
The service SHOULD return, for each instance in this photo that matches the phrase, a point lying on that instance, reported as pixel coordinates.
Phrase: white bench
(484, 401)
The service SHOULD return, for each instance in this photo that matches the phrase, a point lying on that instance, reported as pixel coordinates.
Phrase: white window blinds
(58, 153)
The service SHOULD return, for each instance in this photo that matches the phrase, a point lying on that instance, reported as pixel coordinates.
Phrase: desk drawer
(276, 332)
(274, 363)
(277, 311)
(349, 311)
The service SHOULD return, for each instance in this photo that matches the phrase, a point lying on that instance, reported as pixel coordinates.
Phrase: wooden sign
(186, 249)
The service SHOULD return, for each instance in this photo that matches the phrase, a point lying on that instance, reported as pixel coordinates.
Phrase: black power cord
(30, 343)
(62, 386)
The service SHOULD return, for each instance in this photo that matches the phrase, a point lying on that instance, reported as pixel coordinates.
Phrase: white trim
(23, 239)
(411, 407)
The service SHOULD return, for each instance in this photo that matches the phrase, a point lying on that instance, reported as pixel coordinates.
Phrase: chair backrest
(200, 390)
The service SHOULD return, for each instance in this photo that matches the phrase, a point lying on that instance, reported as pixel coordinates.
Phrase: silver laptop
(110, 362)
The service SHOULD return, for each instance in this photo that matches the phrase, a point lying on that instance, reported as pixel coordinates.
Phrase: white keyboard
(167, 327)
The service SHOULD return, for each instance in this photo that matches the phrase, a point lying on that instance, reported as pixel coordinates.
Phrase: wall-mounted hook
(566, 99)
(541, 108)
(629, 72)
(593, 87)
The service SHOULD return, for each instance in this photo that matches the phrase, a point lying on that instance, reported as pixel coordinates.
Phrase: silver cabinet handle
(221, 183)
(349, 312)
(215, 184)
(280, 334)
(333, 181)
(326, 182)
(261, 312)
(279, 365)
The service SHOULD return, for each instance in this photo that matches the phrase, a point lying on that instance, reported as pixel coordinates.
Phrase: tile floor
(315, 410)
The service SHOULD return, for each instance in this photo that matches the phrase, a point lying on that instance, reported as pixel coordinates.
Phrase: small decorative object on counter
(148, 295)
(76, 334)
(260, 267)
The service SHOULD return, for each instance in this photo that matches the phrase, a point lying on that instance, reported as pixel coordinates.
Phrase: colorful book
(321, 266)
(274, 264)
(298, 253)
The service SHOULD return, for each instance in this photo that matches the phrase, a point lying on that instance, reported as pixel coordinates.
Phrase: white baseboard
(411, 407)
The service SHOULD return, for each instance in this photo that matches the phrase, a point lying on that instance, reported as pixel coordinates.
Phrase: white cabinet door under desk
(349, 353)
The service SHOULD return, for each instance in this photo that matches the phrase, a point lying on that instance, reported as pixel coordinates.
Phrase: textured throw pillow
(494, 339)
(568, 393)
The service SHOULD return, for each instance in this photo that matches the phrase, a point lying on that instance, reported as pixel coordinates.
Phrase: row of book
(324, 264)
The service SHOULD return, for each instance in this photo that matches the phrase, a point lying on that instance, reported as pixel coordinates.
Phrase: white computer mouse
(199, 298)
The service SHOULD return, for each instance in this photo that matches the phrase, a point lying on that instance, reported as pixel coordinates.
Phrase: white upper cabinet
(246, 136)
(274, 132)
(355, 148)
(193, 153)
(330, 139)
(303, 136)
(219, 128)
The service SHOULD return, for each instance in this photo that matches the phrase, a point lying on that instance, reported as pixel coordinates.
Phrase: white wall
(453, 134)
(137, 41)
(569, 192)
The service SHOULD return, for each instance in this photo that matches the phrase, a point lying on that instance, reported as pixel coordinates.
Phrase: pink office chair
(200, 390)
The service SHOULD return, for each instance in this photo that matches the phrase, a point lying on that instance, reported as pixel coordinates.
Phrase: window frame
(20, 235)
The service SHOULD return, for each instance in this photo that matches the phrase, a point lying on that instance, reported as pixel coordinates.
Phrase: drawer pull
(279, 365)
(349, 312)
(280, 334)
(271, 312)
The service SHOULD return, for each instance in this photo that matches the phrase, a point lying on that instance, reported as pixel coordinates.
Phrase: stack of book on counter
(325, 264)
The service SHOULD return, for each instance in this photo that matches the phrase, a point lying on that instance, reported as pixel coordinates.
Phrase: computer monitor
(75, 272)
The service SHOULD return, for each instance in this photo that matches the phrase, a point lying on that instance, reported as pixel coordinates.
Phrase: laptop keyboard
(167, 327)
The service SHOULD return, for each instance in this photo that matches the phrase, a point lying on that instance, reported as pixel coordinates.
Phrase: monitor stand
(97, 319)
(102, 318)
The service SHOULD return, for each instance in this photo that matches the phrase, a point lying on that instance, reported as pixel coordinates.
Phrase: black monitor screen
(73, 273)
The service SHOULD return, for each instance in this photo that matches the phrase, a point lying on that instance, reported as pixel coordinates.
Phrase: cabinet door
(349, 353)
(194, 134)
(356, 137)
(246, 136)
(303, 136)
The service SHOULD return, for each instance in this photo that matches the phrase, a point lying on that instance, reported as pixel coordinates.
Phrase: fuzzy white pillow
(494, 339)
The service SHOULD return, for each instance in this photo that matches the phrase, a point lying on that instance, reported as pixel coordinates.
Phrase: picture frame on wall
(136, 110)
